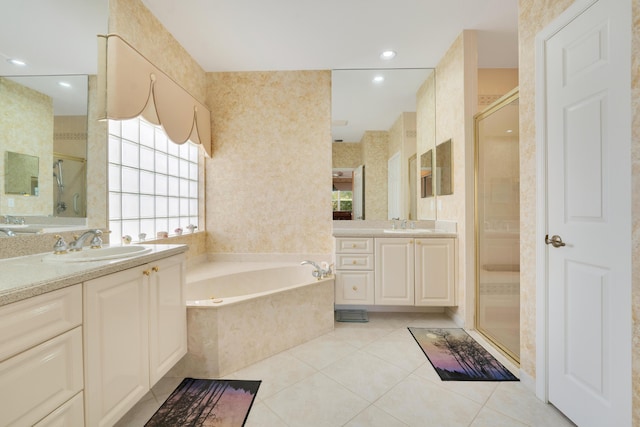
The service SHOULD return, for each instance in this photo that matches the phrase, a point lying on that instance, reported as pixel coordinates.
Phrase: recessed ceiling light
(509, 130)
(378, 79)
(64, 84)
(387, 55)
(17, 62)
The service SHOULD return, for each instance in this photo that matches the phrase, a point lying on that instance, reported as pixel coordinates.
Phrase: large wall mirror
(44, 127)
(45, 105)
(381, 122)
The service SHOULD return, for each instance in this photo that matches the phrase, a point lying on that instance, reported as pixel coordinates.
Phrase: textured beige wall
(70, 135)
(426, 133)
(374, 157)
(27, 128)
(534, 15)
(136, 24)
(269, 178)
(346, 154)
(493, 83)
(456, 79)
(635, 207)
(97, 213)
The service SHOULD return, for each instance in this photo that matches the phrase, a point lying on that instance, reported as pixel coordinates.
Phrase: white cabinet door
(435, 272)
(168, 316)
(354, 287)
(116, 335)
(394, 271)
(36, 382)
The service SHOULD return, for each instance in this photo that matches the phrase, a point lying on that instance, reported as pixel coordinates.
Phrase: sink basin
(410, 231)
(108, 253)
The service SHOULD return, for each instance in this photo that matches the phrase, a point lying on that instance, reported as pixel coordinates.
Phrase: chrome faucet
(8, 232)
(78, 243)
(319, 272)
(403, 225)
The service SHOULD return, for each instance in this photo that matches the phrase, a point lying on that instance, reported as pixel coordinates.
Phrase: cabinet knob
(353, 245)
(355, 288)
(155, 268)
(354, 262)
(418, 242)
(147, 272)
(411, 241)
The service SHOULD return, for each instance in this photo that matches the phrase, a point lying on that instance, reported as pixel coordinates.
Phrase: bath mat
(207, 403)
(352, 316)
(457, 357)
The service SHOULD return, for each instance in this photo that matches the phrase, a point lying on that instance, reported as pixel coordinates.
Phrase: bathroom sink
(410, 231)
(108, 253)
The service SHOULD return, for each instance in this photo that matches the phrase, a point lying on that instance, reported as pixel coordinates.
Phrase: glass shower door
(498, 225)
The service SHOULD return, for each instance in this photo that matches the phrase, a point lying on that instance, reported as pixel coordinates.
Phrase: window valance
(133, 86)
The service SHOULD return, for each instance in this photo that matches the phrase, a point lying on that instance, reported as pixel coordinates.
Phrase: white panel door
(394, 278)
(588, 181)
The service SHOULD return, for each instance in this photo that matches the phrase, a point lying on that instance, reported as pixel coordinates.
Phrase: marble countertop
(27, 276)
(380, 232)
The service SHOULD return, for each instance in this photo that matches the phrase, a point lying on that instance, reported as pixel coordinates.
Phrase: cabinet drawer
(36, 382)
(354, 287)
(29, 322)
(69, 414)
(354, 245)
(354, 262)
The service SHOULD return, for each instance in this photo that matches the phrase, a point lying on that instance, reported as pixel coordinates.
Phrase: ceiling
(249, 35)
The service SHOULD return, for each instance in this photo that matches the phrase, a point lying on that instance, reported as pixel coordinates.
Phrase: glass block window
(153, 183)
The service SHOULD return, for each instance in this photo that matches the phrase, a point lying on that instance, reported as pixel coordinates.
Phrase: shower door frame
(497, 105)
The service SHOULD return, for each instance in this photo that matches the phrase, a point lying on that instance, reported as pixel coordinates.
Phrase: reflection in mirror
(46, 117)
(373, 122)
(21, 174)
(426, 174)
(444, 169)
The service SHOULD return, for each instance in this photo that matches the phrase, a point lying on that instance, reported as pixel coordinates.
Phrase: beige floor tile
(317, 401)
(516, 401)
(261, 416)
(398, 348)
(478, 391)
(366, 375)
(141, 413)
(374, 417)
(419, 402)
(276, 373)
(490, 418)
(360, 337)
(322, 351)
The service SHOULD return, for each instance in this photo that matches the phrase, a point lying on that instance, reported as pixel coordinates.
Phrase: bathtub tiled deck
(370, 374)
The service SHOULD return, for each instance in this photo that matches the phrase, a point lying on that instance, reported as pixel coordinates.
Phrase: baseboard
(455, 317)
(390, 308)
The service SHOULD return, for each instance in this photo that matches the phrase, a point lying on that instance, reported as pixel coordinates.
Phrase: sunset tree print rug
(457, 357)
(207, 403)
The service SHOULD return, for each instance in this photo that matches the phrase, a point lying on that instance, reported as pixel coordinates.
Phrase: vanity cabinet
(135, 330)
(415, 271)
(394, 282)
(41, 374)
(354, 271)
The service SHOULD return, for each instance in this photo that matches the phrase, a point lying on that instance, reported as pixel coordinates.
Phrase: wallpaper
(269, 178)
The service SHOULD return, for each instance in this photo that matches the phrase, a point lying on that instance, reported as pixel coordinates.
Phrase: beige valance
(134, 87)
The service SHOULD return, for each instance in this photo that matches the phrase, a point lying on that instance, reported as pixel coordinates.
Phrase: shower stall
(69, 179)
(497, 216)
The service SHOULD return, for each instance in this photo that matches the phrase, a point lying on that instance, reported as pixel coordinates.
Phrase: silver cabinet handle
(555, 241)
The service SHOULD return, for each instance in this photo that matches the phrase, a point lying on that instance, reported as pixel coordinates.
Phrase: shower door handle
(555, 241)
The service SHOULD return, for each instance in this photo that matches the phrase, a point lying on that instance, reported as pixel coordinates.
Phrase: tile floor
(371, 374)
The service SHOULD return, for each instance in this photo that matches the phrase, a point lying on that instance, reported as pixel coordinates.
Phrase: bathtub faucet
(320, 272)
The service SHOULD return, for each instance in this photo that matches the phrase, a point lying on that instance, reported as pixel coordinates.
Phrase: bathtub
(241, 313)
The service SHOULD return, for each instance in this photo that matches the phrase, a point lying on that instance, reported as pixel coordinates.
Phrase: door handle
(555, 241)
